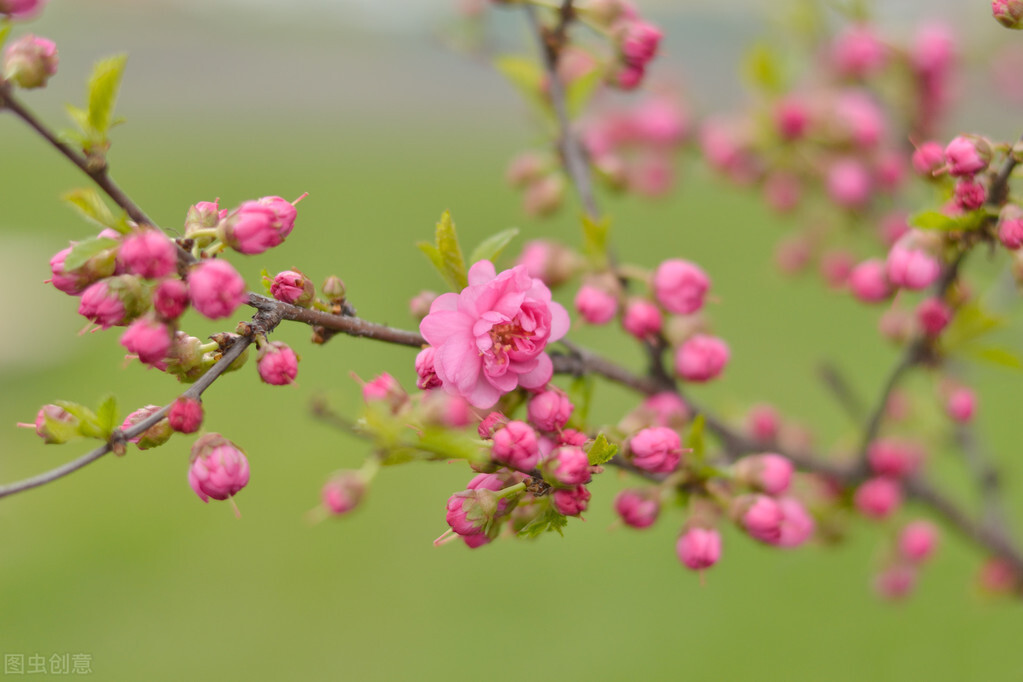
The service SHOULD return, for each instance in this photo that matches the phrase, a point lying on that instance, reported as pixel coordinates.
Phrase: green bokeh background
(122, 562)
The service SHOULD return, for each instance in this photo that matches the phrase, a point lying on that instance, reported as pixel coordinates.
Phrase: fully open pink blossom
(490, 337)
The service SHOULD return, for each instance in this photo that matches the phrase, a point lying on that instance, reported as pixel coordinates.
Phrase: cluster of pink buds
(636, 40)
(914, 546)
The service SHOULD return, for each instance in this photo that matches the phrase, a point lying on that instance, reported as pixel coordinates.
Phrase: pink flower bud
(699, 548)
(293, 287)
(29, 61)
(967, 155)
(256, 226)
(868, 281)
(102, 303)
(385, 388)
(343, 492)
(928, 158)
(216, 289)
(627, 76)
(849, 183)
(490, 425)
(933, 314)
(659, 121)
(932, 51)
(701, 358)
(550, 410)
(642, 319)
(969, 195)
(596, 305)
(547, 261)
(768, 472)
(1008, 13)
(761, 517)
(961, 404)
(149, 254)
(791, 118)
(859, 119)
(526, 168)
(657, 449)
(566, 467)
(896, 582)
(156, 435)
(857, 52)
(471, 512)
(424, 368)
(797, 525)
(572, 437)
(878, 497)
(52, 413)
(185, 359)
(185, 415)
(911, 268)
(763, 423)
(1010, 228)
(149, 340)
(889, 171)
(638, 42)
(170, 298)
(516, 446)
(835, 268)
(894, 458)
(917, 541)
(420, 304)
(203, 215)
(20, 9)
(638, 507)
(219, 468)
(544, 196)
(680, 286)
(571, 501)
(74, 282)
(333, 288)
(277, 364)
(783, 191)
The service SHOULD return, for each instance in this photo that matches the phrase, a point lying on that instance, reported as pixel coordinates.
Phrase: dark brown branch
(353, 326)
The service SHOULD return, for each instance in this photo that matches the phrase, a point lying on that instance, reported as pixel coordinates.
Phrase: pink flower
(961, 404)
(1008, 13)
(1010, 229)
(292, 287)
(638, 42)
(596, 305)
(657, 449)
(550, 410)
(471, 512)
(343, 492)
(278, 364)
(868, 281)
(154, 436)
(791, 118)
(424, 369)
(52, 413)
(918, 540)
(567, 466)
(20, 9)
(637, 508)
(185, 415)
(29, 61)
(894, 458)
(762, 517)
(284, 212)
(256, 226)
(857, 52)
(216, 289)
(797, 525)
(849, 183)
(490, 338)
(148, 254)
(170, 298)
(933, 314)
(768, 472)
(967, 155)
(571, 501)
(763, 423)
(642, 318)
(928, 158)
(149, 340)
(102, 304)
(699, 548)
(911, 268)
(219, 468)
(516, 446)
(680, 286)
(878, 497)
(701, 358)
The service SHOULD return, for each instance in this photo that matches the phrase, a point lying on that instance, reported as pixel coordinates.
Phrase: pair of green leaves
(446, 253)
(96, 120)
(99, 424)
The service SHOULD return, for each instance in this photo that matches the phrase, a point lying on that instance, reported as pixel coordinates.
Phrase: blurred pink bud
(156, 435)
(849, 183)
(657, 449)
(1010, 228)
(933, 51)
(293, 287)
(893, 227)
(516, 446)
(760, 516)
(170, 298)
(343, 492)
(638, 41)
(52, 413)
(782, 191)
(219, 468)
(889, 171)
(571, 501)
(911, 268)
(595, 304)
(918, 540)
(797, 525)
(642, 319)
(547, 261)
(384, 388)
(763, 423)
(1008, 13)
(961, 404)
(526, 168)
(857, 52)
(420, 304)
(216, 289)
(967, 155)
(997, 576)
(660, 121)
(860, 118)
(638, 507)
(769, 472)
(793, 254)
(969, 195)
(277, 364)
(933, 314)
(284, 211)
(185, 415)
(878, 497)
(701, 358)
(148, 253)
(29, 61)
(490, 424)
(699, 548)
(928, 158)
(791, 118)
(566, 466)
(835, 267)
(868, 281)
(896, 582)
(544, 196)
(894, 458)
(149, 340)
(651, 175)
(549, 410)
(896, 324)
(627, 76)
(21, 9)
(680, 286)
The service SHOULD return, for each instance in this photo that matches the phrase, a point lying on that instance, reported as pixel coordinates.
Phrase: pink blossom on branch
(219, 468)
(490, 337)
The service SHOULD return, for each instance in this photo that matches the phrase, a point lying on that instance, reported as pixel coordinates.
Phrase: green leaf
(761, 66)
(84, 250)
(595, 240)
(447, 444)
(103, 87)
(107, 416)
(5, 30)
(548, 521)
(491, 247)
(694, 439)
(970, 323)
(601, 451)
(446, 254)
(80, 117)
(579, 91)
(935, 220)
(89, 423)
(996, 356)
(580, 392)
(90, 205)
(525, 74)
(60, 431)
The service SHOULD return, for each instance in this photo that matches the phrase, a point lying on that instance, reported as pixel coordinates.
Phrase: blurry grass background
(385, 128)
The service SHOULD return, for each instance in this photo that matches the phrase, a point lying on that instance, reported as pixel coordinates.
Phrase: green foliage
(107, 416)
(491, 247)
(88, 426)
(581, 90)
(526, 75)
(446, 254)
(601, 451)
(935, 220)
(399, 442)
(5, 30)
(694, 439)
(972, 322)
(90, 205)
(995, 355)
(580, 392)
(84, 250)
(762, 68)
(95, 121)
(549, 520)
(595, 233)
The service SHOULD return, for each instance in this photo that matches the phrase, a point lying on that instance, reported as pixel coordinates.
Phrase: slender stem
(843, 392)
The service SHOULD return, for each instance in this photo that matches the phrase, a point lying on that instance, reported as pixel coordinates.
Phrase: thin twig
(839, 386)
(346, 324)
